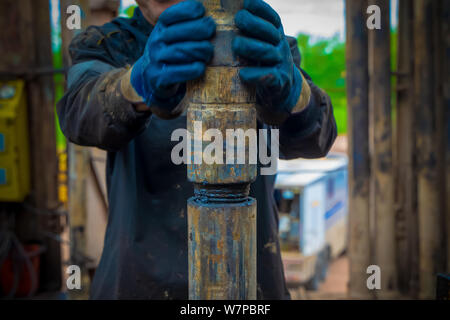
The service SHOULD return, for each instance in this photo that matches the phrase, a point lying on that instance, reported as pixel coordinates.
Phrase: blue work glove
(177, 51)
(278, 81)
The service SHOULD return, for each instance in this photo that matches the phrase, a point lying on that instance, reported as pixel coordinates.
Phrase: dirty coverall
(145, 254)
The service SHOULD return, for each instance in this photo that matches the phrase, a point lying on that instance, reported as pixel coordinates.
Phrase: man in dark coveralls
(125, 70)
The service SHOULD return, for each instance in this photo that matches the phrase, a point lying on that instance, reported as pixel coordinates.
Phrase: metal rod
(446, 92)
(359, 162)
(32, 72)
(380, 107)
(440, 140)
(221, 216)
(427, 175)
(405, 175)
(78, 169)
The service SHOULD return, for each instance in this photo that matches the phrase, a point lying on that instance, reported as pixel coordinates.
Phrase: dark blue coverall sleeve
(93, 112)
(310, 133)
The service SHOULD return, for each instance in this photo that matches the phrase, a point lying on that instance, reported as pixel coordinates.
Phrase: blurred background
(379, 198)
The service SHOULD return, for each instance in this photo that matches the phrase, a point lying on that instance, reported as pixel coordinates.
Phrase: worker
(123, 70)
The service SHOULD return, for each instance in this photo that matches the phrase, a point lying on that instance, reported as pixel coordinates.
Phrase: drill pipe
(221, 215)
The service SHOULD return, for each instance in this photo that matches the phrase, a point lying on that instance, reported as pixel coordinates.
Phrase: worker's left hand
(278, 81)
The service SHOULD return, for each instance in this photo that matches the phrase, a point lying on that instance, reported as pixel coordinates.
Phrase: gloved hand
(177, 51)
(278, 81)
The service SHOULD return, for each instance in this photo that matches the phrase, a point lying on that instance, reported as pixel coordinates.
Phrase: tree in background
(324, 60)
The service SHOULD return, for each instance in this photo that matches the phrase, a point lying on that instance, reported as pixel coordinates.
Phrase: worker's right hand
(177, 51)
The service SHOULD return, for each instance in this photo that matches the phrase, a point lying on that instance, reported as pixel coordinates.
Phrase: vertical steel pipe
(440, 139)
(221, 216)
(446, 92)
(406, 180)
(383, 181)
(78, 166)
(359, 162)
(430, 223)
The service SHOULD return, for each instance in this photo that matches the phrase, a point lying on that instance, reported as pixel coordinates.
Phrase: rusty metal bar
(439, 63)
(405, 176)
(359, 162)
(383, 182)
(446, 92)
(43, 141)
(31, 73)
(440, 140)
(430, 223)
(78, 167)
(221, 215)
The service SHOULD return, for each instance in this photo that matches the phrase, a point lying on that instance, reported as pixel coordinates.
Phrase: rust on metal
(222, 243)
(359, 161)
(383, 182)
(446, 101)
(430, 222)
(407, 248)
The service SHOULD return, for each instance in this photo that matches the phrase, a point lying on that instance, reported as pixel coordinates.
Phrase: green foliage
(324, 61)
(58, 79)
(130, 10)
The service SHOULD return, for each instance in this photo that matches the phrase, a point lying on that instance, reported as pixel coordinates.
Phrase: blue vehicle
(312, 202)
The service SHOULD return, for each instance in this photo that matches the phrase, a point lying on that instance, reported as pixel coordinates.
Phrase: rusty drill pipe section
(221, 215)
(222, 247)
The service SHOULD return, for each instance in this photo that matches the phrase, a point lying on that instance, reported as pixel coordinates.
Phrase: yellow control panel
(14, 142)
